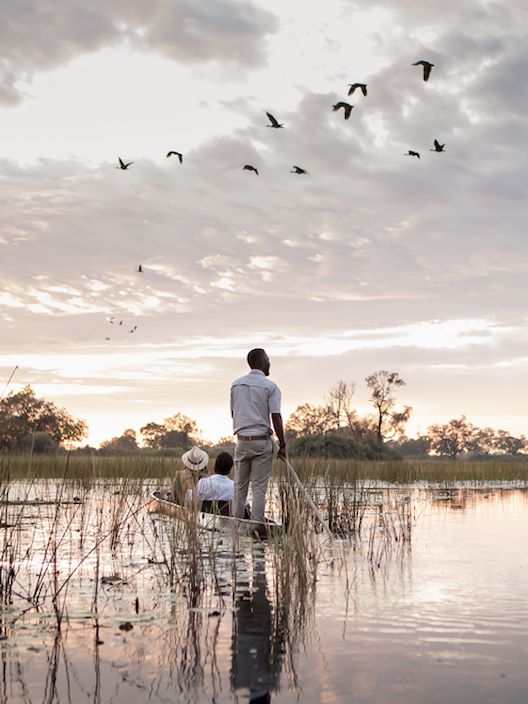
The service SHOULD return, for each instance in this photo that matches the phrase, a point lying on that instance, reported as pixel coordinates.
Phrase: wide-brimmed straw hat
(195, 459)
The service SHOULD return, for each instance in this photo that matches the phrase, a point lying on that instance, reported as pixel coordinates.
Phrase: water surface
(442, 618)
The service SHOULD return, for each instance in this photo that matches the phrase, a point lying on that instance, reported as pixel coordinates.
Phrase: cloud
(40, 35)
(369, 225)
(370, 241)
(228, 30)
(432, 19)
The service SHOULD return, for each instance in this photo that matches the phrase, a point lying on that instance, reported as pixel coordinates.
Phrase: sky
(372, 260)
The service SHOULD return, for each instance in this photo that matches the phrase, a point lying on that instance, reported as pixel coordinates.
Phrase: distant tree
(85, 450)
(508, 444)
(225, 444)
(337, 445)
(177, 431)
(338, 404)
(176, 438)
(23, 414)
(125, 444)
(39, 442)
(453, 438)
(335, 416)
(309, 420)
(181, 423)
(152, 434)
(389, 422)
(484, 441)
(411, 447)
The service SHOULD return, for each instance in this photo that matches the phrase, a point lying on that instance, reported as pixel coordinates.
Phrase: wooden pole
(309, 500)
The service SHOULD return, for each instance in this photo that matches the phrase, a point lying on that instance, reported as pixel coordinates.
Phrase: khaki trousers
(253, 460)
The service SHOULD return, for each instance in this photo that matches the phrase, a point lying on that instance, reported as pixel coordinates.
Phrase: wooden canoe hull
(215, 522)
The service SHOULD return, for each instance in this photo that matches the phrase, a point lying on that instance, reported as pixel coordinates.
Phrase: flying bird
(411, 153)
(133, 329)
(274, 122)
(427, 66)
(107, 339)
(437, 146)
(140, 269)
(111, 321)
(122, 164)
(120, 322)
(248, 167)
(353, 87)
(298, 170)
(180, 156)
(346, 107)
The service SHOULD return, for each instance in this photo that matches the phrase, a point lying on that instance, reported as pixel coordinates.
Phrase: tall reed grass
(411, 471)
(85, 467)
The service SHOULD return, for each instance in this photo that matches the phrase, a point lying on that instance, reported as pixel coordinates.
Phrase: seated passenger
(195, 461)
(217, 491)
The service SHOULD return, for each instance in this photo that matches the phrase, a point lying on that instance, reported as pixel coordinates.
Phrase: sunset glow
(372, 260)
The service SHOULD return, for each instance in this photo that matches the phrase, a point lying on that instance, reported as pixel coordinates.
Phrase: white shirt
(217, 487)
(253, 398)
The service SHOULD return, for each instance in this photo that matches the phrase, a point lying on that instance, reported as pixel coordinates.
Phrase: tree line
(333, 429)
(459, 437)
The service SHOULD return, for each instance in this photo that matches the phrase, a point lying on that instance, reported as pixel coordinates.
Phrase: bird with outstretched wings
(122, 164)
(438, 147)
(178, 154)
(249, 167)
(362, 86)
(427, 66)
(274, 122)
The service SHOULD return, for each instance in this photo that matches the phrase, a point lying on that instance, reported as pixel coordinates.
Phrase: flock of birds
(112, 321)
(347, 108)
(340, 105)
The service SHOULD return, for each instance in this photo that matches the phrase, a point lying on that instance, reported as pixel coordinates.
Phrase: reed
(142, 466)
(90, 538)
(86, 467)
(411, 471)
(95, 521)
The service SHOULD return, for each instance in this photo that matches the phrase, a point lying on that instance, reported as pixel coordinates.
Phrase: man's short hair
(223, 463)
(255, 357)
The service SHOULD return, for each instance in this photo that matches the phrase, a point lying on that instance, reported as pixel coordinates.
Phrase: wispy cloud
(39, 35)
(371, 259)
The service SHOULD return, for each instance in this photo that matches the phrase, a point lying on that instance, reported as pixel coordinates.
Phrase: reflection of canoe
(214, 522)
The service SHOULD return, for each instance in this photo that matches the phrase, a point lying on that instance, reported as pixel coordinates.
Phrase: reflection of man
(254, 399)
(256, 660)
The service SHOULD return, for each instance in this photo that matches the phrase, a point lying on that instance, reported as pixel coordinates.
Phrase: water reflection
(258, 647)
(445, 622)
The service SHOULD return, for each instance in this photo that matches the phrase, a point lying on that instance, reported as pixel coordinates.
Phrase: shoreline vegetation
(31, 466)
(333, 430)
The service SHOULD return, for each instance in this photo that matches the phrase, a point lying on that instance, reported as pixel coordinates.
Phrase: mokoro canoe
(213, 521)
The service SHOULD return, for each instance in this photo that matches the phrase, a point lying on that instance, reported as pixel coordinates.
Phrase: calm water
(444, 619)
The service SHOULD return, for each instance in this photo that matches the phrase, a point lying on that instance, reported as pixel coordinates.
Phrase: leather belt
(253, 437)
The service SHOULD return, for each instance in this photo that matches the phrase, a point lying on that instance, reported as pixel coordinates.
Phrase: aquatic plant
(87, 468)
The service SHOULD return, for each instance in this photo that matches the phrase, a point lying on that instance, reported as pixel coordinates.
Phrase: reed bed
(78, 544)
(97, 510)
(411, 471)
(70, 521)
(60, 533)
(86, 467)
(79, 548)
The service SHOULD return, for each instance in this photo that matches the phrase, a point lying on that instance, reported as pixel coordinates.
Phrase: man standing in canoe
(255, 399)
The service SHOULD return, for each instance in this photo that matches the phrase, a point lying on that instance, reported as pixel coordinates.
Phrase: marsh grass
(61, 556)
(411, 471)
(90, 528)
(86, 468)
